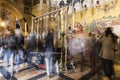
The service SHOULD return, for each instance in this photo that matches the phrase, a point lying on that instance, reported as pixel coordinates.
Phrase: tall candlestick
(72, 15)
(62, 22)
(32, 25)
(37, 29)
(25, 28)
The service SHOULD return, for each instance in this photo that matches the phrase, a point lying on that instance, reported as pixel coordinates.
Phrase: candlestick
(25, 28)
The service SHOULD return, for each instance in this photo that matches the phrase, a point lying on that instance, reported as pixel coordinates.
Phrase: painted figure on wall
(79, 28)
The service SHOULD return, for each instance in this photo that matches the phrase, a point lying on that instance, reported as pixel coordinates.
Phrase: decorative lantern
(85, 6)
(97, 2)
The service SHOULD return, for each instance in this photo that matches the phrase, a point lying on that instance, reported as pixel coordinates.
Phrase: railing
(62, 12)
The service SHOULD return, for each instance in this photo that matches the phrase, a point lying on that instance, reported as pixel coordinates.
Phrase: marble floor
(27, 73)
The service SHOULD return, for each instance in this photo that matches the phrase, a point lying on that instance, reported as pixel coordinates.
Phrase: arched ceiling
(13, 8)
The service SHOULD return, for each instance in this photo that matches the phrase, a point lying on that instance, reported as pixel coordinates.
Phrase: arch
(13, 8)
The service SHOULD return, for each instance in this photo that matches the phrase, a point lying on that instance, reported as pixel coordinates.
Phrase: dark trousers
(108, 67)
(92, 59)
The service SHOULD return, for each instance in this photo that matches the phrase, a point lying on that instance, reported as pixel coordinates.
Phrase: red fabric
(42, 66)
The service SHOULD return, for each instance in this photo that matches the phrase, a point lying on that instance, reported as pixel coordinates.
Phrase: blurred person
(49, 56)
(97, 46)
(1, 47)
(19, 56)
(31, 48)
(1, 52)
(90, 49)
(107, 53)
(9, 51)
